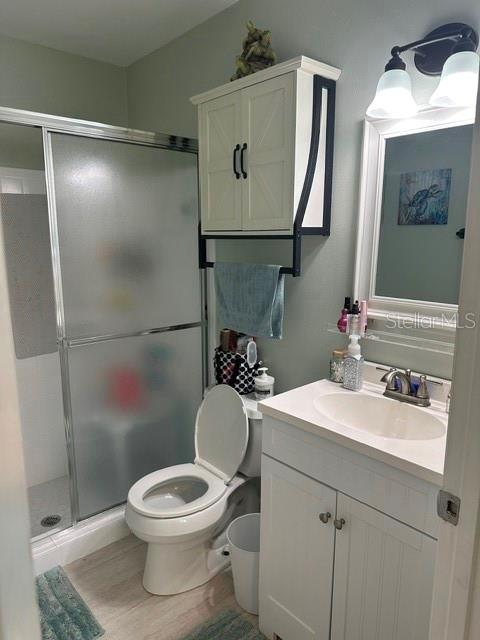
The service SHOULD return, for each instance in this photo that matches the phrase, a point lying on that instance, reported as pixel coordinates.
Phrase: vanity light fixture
(450, 51)
(393, 98)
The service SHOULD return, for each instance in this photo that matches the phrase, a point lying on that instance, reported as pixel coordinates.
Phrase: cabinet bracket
(319, 84)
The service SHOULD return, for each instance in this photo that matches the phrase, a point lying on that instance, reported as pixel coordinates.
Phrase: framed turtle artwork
(424, 197)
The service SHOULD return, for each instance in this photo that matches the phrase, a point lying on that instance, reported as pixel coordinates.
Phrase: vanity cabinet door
(296, 554)
(268, 130)
(219, 164)
(383, 577)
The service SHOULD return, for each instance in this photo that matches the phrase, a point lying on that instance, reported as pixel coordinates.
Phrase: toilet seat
(164, 484)
(221, 432)
(221, 438)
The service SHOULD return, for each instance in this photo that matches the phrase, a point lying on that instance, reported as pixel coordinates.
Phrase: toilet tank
(250, 466)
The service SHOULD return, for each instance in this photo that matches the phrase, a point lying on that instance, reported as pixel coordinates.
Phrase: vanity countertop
(421, 458)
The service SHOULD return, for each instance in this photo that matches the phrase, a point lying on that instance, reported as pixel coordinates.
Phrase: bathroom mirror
(413, 201)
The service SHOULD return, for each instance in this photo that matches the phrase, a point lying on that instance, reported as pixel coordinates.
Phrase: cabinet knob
(325, 517)
(338, 524)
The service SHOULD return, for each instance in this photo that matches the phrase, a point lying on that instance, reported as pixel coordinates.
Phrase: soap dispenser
(264, 384)
(353, 366)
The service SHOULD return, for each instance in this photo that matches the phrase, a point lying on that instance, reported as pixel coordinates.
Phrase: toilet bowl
(182, 512)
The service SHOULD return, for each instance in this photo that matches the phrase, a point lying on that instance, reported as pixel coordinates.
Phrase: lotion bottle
(264, 384)
(354, 320)
(353, 366)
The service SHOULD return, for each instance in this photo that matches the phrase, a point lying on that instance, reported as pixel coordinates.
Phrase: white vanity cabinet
(365, 571)
(297, 554)
(383, 576)
(255, 140)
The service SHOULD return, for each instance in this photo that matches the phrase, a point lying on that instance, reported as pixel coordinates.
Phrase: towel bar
(296, 239)
(286, 270)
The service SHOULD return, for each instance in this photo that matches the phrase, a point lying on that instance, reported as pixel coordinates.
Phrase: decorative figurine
(257, 52)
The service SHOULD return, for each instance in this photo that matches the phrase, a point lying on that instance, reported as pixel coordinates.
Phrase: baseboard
(80, 540)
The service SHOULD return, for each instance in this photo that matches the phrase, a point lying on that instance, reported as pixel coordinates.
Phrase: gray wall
(37, 78)
(21, 147)
(356, 37)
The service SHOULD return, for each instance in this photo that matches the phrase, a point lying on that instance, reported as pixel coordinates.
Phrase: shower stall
(107, 305)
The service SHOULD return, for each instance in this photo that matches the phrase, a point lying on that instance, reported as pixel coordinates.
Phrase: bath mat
(63, 613)
(229, 625)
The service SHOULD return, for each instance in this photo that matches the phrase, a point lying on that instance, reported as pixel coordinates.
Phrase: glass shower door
(133, 404)
(130, 309)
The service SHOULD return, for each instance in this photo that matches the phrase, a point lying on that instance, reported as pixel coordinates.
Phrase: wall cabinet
(220, 184)
(331, 566)
(259, 149)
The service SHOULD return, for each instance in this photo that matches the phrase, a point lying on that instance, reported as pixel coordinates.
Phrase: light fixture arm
(432, 51)
(457, 35)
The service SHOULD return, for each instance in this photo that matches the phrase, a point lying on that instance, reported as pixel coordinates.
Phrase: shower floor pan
(47, 502)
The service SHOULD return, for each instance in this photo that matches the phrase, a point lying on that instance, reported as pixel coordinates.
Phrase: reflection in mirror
(424, 202)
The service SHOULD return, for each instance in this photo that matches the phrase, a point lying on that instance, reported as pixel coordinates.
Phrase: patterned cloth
(63, 613)
(232, 369)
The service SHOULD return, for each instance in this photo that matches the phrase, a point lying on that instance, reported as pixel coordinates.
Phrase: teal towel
(250, 298)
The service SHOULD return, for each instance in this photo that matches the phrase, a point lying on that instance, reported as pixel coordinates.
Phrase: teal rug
(63, 613)
(229, 625)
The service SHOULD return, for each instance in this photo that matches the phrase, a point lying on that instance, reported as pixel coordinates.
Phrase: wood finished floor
(110, 582)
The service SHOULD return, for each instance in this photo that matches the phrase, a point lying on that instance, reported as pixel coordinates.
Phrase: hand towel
(250, 298)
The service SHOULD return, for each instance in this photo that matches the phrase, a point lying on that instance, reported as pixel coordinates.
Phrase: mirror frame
(418, 313)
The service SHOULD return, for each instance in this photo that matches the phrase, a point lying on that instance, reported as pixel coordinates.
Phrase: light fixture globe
(393, 98)
(459, 81)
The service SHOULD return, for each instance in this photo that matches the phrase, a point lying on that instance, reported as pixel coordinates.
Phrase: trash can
(243, 537)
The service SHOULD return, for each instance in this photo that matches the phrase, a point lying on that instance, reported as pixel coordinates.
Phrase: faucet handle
(422, 391)
(447, 401)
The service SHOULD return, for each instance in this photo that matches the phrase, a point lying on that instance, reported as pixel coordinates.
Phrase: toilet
(183, 511)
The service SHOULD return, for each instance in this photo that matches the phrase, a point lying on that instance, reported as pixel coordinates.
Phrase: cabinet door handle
(325, 517)
(242, 168)
(338, 524)
(235, 151)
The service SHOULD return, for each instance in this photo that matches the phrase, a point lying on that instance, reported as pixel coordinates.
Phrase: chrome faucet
(407, 393)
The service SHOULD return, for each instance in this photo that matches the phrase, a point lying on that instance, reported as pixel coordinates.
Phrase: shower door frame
(83, 128)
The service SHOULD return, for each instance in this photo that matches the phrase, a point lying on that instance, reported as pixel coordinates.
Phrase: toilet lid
(221, 432)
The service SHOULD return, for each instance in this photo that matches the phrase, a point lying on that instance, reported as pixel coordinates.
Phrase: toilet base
(184, 553)
(171, 569)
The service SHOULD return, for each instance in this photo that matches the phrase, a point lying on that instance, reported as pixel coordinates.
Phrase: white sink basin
(380, 416)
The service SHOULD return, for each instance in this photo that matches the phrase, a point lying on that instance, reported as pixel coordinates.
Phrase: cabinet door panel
(268, 123)
(220, 132)
(383, 577)
(296, 554)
